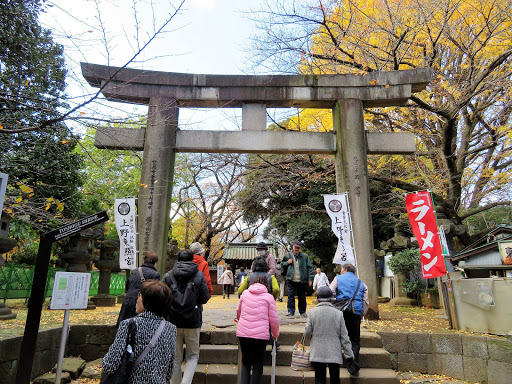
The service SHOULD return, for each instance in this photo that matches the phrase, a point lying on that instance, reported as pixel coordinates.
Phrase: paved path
(220, 313)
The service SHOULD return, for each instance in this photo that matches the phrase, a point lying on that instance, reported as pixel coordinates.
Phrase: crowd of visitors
(159, 318)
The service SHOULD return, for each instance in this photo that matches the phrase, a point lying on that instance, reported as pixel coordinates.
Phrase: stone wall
(90, 342)
(45, 358)
(467, 357)
(472, 358)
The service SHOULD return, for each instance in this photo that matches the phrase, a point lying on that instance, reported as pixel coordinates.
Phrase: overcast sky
(206, 36)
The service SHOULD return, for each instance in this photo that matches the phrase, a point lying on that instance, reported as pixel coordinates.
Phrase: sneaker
(304, 314)
(290, 314)
(354, 375)
(281, 300)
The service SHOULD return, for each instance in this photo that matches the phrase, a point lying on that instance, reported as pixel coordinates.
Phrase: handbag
(125, 368)
(300, 357)
(345, 304)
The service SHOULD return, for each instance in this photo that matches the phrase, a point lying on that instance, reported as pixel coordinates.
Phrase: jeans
(189, 337)
(253, 353)
(300, 289)
(320, 373)
(353, 324)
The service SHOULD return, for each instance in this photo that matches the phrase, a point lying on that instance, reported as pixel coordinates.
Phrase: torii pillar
(346, 95)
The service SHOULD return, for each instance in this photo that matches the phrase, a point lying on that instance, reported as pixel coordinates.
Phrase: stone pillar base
(120, 298)
(403, 302)
(6, 313)
(91, 305)
(104, 300)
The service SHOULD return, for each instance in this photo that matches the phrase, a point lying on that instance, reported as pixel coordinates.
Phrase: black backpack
(184, 313)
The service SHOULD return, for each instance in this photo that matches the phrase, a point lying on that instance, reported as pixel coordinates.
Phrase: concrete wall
(475, 313)
(472, 358)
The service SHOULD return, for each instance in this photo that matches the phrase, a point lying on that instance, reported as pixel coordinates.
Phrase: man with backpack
(189, 292)
(352, 298)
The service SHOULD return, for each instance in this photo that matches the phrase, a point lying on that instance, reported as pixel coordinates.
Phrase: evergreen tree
(42, 165)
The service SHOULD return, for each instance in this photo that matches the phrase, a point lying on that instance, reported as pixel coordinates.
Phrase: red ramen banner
(424, 226)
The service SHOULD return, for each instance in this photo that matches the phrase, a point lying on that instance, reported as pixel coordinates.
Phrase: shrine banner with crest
(124, 216)
(422, 216)
(338, 210)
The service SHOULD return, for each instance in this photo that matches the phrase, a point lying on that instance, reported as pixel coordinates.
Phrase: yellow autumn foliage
(461, 121)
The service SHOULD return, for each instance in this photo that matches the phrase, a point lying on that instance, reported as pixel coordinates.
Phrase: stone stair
(218, 360)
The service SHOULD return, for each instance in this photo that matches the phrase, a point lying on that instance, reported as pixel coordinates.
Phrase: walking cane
(273, 373)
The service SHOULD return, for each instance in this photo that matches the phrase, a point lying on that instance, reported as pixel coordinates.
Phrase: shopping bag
(300, 357)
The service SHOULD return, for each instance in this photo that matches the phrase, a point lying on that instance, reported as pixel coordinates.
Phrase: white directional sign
(70, 290)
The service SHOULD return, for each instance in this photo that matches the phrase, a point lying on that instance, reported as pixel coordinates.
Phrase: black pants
(353, 324)
(227, 289)
(253, 353)
(300, 290)
(320, 373)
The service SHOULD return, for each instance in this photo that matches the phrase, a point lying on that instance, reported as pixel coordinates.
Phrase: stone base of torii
(346, 95)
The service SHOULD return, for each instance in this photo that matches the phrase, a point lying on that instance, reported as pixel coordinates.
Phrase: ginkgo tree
(461, 121)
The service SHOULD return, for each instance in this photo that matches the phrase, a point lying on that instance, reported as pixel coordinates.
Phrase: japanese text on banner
(124, 214)
(424, 226)
(338, 210)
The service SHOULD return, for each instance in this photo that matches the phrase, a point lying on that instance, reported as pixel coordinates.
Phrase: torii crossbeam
(346, 95)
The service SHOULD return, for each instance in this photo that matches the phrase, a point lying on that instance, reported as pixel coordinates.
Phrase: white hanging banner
(124, 215)
(338, 210)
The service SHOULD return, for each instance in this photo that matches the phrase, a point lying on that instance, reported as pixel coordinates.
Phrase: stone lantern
(172, 254)
(106, 263)
(78, 255)
(397, 243)
(6, 244)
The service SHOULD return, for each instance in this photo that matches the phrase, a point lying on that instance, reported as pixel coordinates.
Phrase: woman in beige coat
(227, 280)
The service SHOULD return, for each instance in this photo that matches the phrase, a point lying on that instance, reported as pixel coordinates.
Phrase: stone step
(228, 374)
(288, 336)
(228, 354)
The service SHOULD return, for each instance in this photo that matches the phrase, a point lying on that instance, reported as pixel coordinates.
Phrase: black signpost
(35, 303)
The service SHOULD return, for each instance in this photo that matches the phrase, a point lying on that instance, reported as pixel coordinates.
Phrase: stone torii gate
(167, 92)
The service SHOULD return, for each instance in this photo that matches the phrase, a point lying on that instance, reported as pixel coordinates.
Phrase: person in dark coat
(133, 284)
(190, 291)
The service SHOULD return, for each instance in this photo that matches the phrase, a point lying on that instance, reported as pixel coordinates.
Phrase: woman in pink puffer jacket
(253, 327)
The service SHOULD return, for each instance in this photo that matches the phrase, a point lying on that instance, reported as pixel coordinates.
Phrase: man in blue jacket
(299, 273)
(344, 286)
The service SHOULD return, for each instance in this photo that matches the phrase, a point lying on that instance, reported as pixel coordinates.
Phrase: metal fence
(16, 281)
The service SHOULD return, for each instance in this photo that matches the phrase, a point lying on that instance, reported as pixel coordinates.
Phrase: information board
(70, 290)
(220, 271)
